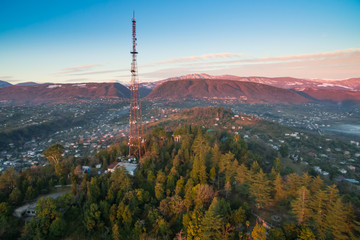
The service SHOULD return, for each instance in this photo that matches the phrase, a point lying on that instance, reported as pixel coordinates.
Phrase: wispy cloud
(76, 80)
(6, 77)
(98, 72)
(167, 72)
(78, 69)
(205, 57)
(350, 55)
(82, 67)
(197, 60)
(304, 57)
(330, 65)
(338, 64)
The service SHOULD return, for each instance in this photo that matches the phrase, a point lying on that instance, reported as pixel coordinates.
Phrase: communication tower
(136, 131)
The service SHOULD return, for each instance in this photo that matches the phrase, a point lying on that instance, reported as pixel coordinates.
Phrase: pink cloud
(306, 57)
(6, 77)
(76, 80)
(80, 68)
(211, 56)
(339, 64)
(333, 66)
(98, 72)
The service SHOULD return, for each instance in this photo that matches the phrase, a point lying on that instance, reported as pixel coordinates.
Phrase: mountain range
(213, 89)
(62, 93)
(255, 89)
(285, 90)
(4, 84)
(352, 84)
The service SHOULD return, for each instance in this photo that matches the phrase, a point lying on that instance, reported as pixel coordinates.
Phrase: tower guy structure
(135, 133)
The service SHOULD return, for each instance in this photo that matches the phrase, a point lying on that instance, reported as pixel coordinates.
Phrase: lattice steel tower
(135, 133)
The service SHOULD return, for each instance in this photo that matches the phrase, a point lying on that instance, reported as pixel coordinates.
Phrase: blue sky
(90, 40)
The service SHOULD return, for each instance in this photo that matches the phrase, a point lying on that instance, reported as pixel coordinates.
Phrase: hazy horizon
(156, 80)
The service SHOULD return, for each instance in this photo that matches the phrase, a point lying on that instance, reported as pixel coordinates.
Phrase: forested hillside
(205, 185)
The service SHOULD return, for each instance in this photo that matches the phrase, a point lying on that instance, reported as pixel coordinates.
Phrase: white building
(130, 167)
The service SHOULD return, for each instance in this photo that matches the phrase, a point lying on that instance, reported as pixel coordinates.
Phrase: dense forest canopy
(206, 185)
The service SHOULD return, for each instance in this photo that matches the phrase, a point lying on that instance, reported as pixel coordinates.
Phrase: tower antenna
(136, 130)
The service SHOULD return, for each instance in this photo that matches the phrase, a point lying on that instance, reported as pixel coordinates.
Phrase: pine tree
(124, 214)
(277, 165)
(241, 174)
(352, 226)
(198, 173)
(318, 213)
(316, 184)
(159, 191)
(227, 188)
(74, 187)
(188, 193)
(200, 144)
(333, 195)
(15, 196)
(293, 184)
(291, 231)
(92, 218)
(212, 223)
(260, 189)
(160, 177)
(215, 158)
(259, 232)
(179, 190)
(306, 234)
(272, 175)
(30, 193)
(306, 180)
(57, 228)
(239, 147)
(238, 217)
(194, 227)
(115, 232)
(255, 168)
(280, 193)
(228, 165)
(93, 190)
(300, 206)
(276, 234)
(212, 175)
(336, 220)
